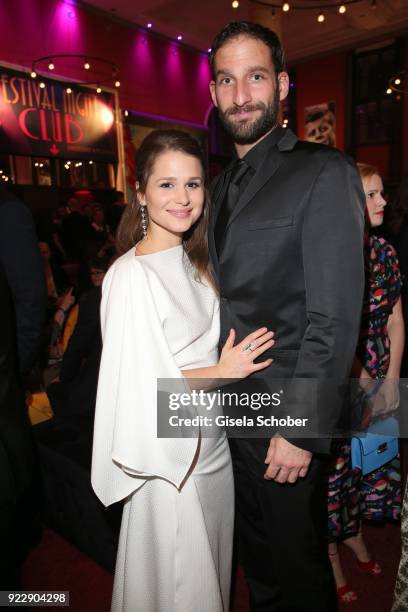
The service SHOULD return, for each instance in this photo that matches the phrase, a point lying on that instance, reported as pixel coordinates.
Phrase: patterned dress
(376, 496)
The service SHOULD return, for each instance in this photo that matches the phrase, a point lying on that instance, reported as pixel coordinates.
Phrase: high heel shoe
(346, 595)
(370, 567)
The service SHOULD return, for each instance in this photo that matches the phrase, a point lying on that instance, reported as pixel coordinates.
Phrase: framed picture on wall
(320, 123)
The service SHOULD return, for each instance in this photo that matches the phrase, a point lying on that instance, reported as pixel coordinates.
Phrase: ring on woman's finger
(248, 348)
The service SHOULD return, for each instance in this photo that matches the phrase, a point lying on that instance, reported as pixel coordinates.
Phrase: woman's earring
(144, 220)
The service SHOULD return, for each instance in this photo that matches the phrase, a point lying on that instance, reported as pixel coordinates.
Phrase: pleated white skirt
(175, 547)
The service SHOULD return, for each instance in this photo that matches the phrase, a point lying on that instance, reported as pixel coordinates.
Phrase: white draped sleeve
(126, 450)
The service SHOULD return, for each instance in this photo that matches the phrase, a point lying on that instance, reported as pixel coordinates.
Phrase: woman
(376, 496)
(159, 320)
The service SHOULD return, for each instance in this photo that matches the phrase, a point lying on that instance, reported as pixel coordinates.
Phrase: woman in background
(375, 496)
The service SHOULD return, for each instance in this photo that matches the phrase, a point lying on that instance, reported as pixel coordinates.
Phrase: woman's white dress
(175, 543)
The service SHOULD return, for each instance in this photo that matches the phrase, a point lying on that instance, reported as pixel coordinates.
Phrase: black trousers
(282, 534)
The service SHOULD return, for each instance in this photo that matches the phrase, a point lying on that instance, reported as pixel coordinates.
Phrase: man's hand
(286, 462)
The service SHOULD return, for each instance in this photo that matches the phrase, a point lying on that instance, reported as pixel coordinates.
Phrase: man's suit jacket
(16, 451)
(22, 313)
(21, 261)
(292, 260)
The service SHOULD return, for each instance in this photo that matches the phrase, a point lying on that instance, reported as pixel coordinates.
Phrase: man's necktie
(230, 200)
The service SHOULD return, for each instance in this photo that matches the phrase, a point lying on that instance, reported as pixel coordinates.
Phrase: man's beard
(249, 132)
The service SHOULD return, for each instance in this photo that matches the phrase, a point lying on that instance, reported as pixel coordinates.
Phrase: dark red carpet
(56, 565)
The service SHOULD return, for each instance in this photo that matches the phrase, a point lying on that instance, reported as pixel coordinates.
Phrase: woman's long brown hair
(129, 232)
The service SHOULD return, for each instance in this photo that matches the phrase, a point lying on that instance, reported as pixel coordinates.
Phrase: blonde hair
(367, 171)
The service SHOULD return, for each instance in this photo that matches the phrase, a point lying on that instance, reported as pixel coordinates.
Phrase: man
(286, 241)
(75, 231)
(115, 212)
(22, 313)
(75, 393)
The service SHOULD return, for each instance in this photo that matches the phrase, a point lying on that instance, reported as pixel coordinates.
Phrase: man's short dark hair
(252, 30)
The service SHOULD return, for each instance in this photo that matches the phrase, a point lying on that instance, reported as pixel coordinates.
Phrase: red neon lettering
(70, 136)
(23, 125)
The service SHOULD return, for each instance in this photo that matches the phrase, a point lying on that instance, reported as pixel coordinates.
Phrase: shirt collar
(256, 155)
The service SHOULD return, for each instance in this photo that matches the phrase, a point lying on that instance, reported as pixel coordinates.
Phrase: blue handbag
(375, 446)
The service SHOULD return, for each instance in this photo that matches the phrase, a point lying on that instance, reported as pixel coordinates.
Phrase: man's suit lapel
(217, 198)
(219, 191)
(266, 170)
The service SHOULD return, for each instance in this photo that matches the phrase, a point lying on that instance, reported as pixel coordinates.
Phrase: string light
(106, 72)
(179, 37)
(321, 6)
(235, 4)
(149, 25)
(389, 91)
(98, 90)
(397, 81)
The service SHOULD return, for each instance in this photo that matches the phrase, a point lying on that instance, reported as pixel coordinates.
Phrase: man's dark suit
(22, 311)
(291, 260)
